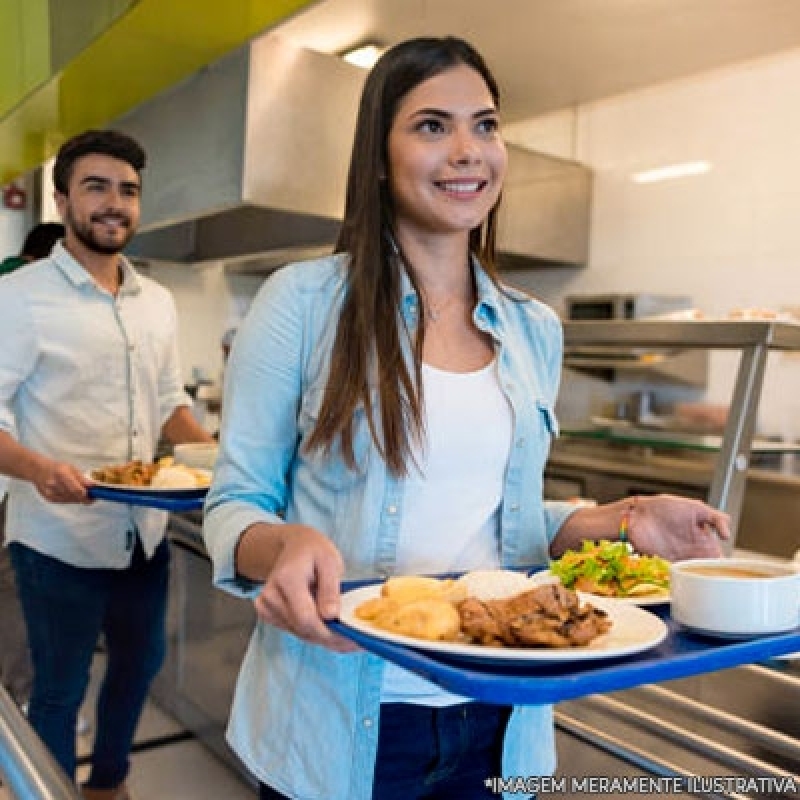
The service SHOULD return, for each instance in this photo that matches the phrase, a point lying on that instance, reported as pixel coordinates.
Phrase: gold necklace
(434, 314)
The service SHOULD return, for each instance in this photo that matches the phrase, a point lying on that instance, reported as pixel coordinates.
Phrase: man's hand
(59, 482)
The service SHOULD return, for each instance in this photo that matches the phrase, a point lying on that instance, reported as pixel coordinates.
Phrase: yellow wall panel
(25, 51)
(151, 47)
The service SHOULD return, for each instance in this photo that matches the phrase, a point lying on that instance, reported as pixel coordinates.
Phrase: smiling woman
(359, 439)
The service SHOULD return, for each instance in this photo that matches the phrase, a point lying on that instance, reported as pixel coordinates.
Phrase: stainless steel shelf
(713, 335)
(754, 339)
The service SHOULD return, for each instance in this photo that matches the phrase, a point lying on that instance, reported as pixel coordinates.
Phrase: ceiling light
(672, 171)
(364, 56)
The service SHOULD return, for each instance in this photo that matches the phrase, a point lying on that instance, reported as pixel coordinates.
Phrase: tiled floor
(181, 770)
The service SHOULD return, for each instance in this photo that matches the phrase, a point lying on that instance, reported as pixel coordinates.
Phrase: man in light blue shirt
(89, 376)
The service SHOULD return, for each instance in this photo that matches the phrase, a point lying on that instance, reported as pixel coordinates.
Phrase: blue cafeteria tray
(184, 500)
(680, 655)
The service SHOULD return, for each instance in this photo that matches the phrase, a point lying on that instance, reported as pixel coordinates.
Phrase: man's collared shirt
(87, 378)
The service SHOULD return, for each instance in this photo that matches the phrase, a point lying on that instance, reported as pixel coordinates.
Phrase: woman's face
(447, 160)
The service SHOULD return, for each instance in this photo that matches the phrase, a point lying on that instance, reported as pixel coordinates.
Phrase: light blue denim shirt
(88, 378)
(305, 719)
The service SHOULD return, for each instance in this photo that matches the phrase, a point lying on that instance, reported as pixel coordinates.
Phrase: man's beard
(85, 235)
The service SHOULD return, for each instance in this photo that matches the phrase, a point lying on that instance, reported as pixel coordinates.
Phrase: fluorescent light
(364, 56)
(672, 171)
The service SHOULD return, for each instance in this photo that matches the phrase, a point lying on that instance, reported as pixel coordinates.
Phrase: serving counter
(769, 520)
(207, 634)
(735, 722)
(754, 340)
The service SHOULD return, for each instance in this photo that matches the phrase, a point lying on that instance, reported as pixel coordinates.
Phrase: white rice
(494, 584)
(177, 477)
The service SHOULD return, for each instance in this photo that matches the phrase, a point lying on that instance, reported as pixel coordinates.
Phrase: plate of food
(159, 478)
(611, 570)
(538, 625)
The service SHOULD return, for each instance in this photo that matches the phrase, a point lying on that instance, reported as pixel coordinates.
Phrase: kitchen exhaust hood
(247, 164)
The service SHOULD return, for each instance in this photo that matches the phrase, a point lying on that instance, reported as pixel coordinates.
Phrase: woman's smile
(446, 158)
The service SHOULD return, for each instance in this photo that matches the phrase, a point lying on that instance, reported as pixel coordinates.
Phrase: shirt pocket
(545, 428)
(547, 418)
(328, 467)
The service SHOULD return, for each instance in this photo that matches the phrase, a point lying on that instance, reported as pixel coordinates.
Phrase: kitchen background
(619, 87)
(727, 238)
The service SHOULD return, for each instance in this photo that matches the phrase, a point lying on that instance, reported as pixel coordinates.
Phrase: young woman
(389, 410)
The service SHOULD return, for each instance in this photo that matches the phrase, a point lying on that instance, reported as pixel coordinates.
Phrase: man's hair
(41, 239)
(107, 142)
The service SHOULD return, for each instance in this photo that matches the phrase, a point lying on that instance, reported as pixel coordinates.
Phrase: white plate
(545, 576)
(632, 631)
(153, 490)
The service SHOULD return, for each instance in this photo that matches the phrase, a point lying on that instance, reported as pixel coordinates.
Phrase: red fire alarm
(14, 197)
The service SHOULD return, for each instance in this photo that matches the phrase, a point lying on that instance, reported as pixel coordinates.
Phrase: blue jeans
(66, 608)
(434, 753)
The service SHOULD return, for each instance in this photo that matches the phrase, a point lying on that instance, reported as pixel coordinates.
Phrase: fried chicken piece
(478, 623)
(547, 616)
(134, 473)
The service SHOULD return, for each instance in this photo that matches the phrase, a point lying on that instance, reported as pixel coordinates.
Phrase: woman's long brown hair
(368, 349)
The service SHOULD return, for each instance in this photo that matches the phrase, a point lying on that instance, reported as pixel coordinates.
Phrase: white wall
(728, 238)
(209, 300)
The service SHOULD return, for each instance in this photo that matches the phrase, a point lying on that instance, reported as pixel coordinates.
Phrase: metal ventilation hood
(247, 164)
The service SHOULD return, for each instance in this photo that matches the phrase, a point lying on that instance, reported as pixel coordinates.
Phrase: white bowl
(200, 455)
(735, 597)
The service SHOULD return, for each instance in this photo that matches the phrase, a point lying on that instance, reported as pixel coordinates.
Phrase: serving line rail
(738, 723)
(26, 765)
(623, 750)
(754, 339)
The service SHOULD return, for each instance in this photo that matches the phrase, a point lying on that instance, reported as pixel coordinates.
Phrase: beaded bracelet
(625, 522)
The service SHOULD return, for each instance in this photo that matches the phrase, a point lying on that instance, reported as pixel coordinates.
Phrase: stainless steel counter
(740, 722)
(754, 340)
(207, 634)
(770, 514)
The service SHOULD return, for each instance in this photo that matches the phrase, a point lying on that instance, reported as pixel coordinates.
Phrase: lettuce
(613, 566)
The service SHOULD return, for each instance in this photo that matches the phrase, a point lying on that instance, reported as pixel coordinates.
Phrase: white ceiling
(553, 54)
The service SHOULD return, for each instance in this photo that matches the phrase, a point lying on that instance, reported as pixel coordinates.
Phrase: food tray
(680, 655)
(163, 501)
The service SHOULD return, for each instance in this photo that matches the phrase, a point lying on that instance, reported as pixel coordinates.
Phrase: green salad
(612, 569)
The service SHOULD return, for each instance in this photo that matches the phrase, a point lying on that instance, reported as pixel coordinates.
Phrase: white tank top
(452, 496)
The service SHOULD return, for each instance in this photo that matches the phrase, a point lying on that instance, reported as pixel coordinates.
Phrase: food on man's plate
(163, 474)
(611, 569)
(448, 610)
(179, 477)
(133, 473)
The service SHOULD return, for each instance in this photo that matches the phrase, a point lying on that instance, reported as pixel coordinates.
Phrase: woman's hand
(677, 527)
(302, 588)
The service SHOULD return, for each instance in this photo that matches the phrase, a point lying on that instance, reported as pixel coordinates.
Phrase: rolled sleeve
(259, 435)
(18, 350)
(556, 514)
(171, 394)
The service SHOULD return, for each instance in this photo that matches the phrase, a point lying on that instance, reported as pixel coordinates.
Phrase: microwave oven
(623, 305)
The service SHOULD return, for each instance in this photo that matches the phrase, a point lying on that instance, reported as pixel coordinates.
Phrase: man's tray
(679, 655)
(166, 500)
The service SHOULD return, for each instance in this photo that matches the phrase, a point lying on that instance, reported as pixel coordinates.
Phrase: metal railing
(27, 767)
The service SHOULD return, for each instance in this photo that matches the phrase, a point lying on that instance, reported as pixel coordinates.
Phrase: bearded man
(89, 373)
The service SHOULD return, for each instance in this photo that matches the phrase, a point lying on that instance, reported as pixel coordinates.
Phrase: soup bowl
(735, 597)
